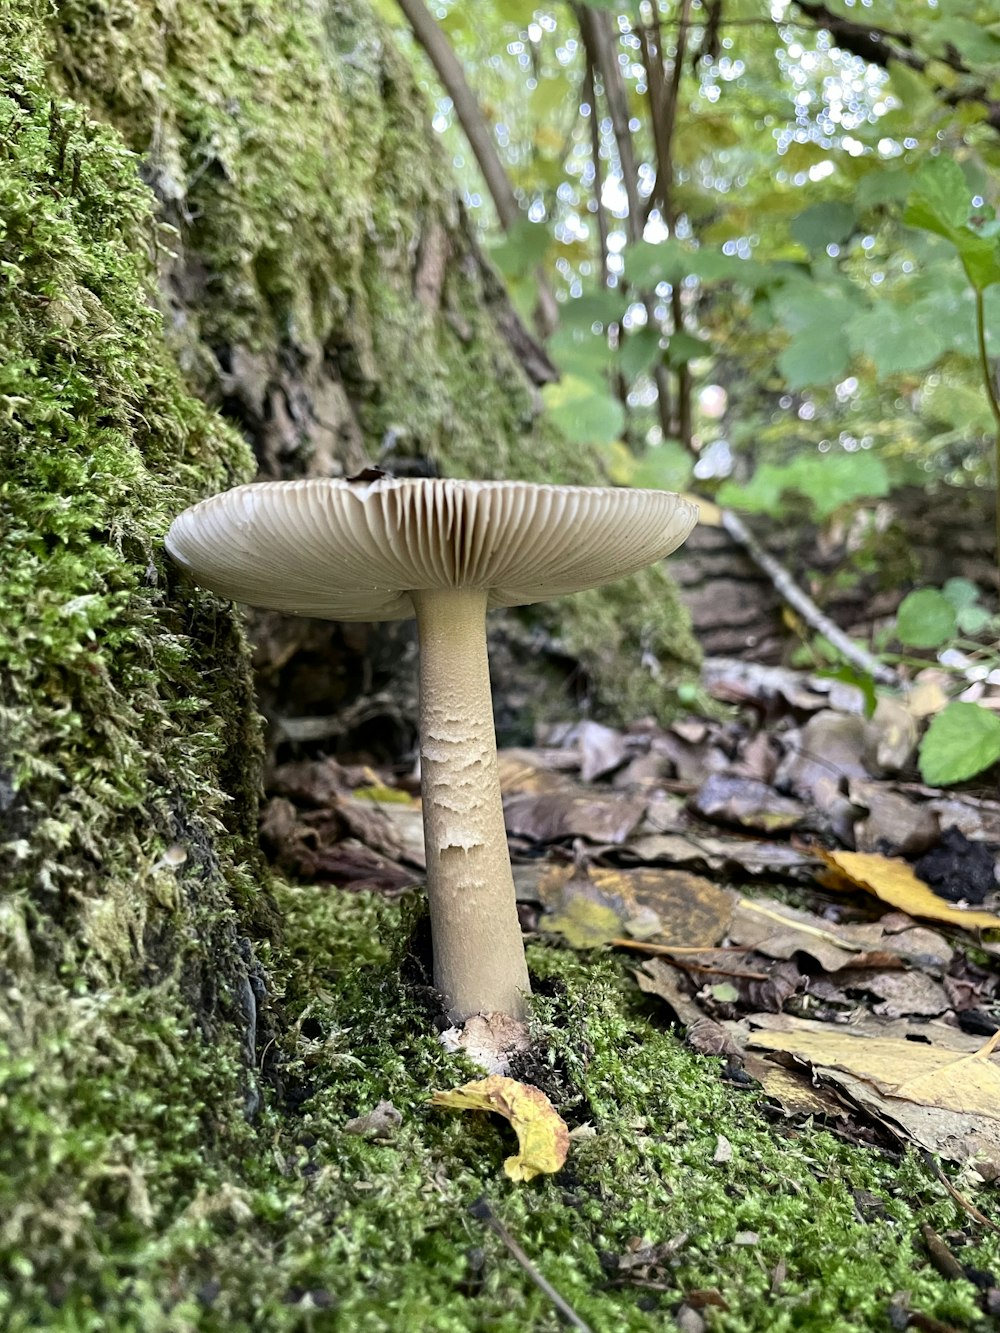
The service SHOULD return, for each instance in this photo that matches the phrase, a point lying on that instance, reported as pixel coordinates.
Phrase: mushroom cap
(342, 550)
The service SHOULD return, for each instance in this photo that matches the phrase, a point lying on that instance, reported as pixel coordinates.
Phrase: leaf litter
(812, 915)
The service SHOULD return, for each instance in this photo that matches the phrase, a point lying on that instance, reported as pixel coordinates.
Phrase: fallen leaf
(894, 882)
(594, 905)
(542, 1134)
(892, 736)
(945, 1101)
(829, 748)
(523, 770)
(747, 855)
(600, 816)
(901, 993)
(601, 749)
(892, 824)
(792, 1090)
(751, 804)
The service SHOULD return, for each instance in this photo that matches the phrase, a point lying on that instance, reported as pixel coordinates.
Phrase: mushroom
(447, 552)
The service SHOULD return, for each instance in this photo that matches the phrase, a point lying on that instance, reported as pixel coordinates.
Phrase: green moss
(312, 1227)
(290, 149)
(119, 973)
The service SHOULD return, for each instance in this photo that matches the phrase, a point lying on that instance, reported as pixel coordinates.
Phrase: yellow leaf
(914, 1071)
(894, 882)
(542, 1135)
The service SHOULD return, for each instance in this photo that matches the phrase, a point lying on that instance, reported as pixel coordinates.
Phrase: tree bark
(229, 245)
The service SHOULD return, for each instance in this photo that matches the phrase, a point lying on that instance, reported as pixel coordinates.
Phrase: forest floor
(763, 996)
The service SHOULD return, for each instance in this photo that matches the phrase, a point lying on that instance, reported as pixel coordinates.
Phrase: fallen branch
(482, 1211)
(801, 602)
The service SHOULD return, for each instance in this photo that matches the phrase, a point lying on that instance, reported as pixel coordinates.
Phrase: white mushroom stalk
(479, 959)
(447, 551)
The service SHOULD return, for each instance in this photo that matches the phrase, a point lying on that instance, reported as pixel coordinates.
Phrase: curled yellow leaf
(542, 1134)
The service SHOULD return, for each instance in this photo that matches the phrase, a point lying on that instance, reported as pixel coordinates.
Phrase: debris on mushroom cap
(343, 551)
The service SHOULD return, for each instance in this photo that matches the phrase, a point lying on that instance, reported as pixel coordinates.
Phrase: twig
(590, 97)
(804, 604)
(959, 1198)
(476, 130)
(482, 1211)
(647, 946)
(598, 42)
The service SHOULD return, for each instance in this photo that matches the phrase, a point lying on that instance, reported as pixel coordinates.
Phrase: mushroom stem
(479, 963)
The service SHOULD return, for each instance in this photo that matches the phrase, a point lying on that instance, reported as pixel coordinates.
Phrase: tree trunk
(224, 234)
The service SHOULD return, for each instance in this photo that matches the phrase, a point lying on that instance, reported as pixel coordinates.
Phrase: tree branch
(801, 602)
(480, 137)
(474, 127)
(880, 45)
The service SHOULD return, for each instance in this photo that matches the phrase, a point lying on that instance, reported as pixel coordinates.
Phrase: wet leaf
(542, 1134)
(894, 882)
(596, 905)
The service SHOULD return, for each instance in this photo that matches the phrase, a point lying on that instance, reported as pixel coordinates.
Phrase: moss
(313, 1228)
(120, 974)
(319, 232)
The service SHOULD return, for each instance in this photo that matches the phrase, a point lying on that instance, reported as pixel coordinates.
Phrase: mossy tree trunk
(219, 223)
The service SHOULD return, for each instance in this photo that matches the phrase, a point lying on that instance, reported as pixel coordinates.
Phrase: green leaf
(897, 338)
(889, 185)
(962, 740)
(960, 592)
(584, 413)
(827, 481)
(824, 224)
(579, 351)
(522, 249)
(925, 619)
(639, 351)
(818, 356)
(939, 198)
(684, 347)
(973, 619)
(665, 467)
(648, 263)
(974, 43)
(602, 307)
(940, 203)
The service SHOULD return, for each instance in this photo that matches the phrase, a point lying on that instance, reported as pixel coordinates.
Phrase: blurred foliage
(830, 227)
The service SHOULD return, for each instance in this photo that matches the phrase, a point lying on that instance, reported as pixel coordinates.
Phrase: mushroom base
(479, 963)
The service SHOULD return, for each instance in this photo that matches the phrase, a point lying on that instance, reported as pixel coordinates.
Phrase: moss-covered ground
(302, 1225)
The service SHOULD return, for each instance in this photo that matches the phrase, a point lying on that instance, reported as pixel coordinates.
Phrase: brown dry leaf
(781, 932)
(793, 1091)
(893, 825)
(958, 1095)
(595, 905)
(601, 749)
(542, 1134)
(747, 855)
(574, 813)
(726, 799)
(895, 883)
